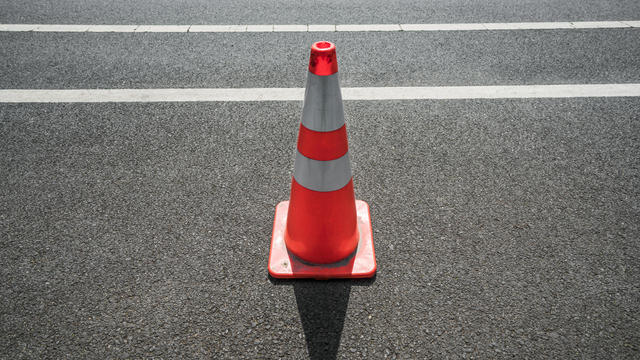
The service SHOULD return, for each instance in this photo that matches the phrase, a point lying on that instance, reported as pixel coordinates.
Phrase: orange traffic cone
(323, 231)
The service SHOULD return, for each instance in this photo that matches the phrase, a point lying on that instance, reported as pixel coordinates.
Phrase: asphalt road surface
(503, 228)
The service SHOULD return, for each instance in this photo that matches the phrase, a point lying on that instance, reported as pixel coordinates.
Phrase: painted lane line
(599, 24)
(321, 27)
(327, 28)
(532, 26)
(297, 94)
(492, 92)
(260, 28)
(62, 28)
(18, 27)
(163, 28)
(442, 27)
(290, 28)
(218, 28)
(369, 27)
(112, 28)
(150, 95)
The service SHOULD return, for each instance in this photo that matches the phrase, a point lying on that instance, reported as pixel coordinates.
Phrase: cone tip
(323, 60)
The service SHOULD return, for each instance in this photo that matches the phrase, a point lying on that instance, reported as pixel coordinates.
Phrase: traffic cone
(323, 231)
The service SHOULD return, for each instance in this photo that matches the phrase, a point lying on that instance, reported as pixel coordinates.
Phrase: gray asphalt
(502, 228)
(312, 12)
(69, 60)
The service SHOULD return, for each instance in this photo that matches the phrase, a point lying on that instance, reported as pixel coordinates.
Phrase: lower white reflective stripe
(322, 175)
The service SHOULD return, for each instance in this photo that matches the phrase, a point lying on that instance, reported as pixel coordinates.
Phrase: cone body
(321, 225)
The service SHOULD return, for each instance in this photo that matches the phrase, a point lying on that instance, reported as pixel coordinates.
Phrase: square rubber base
(285, 265)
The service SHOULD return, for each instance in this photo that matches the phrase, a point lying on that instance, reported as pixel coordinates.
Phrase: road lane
(235, 60)
(311, 12)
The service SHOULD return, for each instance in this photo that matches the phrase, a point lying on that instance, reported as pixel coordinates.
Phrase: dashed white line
(290, 28)
(112, 28)
(492, 92)
(599, 24)
(163, 28)
(537, 26)
(369, 27)
(18, 27)
(62, 28)
(297, 94)
(260, 28)
(323, 27)
(327, 28)
(218, 28)
(442, 27)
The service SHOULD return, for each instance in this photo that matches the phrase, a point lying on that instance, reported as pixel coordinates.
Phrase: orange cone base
(285, 265)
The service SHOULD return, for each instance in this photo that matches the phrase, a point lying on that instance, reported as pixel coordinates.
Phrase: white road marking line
(112, 28)
(442, 27)
(492, 92)
(297, 94)
(320, 27)
(150, 95)
(369, 27)
(599, 24)
(290, 28)
(259, 28)
(218, 28)
(62, 28)
(163, 28)
(328, 28)
(18, 27)
(532, 26)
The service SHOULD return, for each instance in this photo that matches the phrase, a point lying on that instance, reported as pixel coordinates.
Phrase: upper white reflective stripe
(322, 175)
(322, 110)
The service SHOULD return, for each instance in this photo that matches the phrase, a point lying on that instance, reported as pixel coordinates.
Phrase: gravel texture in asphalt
(501, 227)
(312, 12)
(98, 60)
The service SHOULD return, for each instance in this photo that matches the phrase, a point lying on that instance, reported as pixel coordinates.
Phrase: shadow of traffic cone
(323, 231)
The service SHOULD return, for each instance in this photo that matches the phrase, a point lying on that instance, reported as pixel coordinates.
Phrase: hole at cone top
(323, 47)
(323, 58)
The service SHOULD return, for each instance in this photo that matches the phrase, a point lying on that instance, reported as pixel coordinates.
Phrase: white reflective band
(322, 175)
(322, 109)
